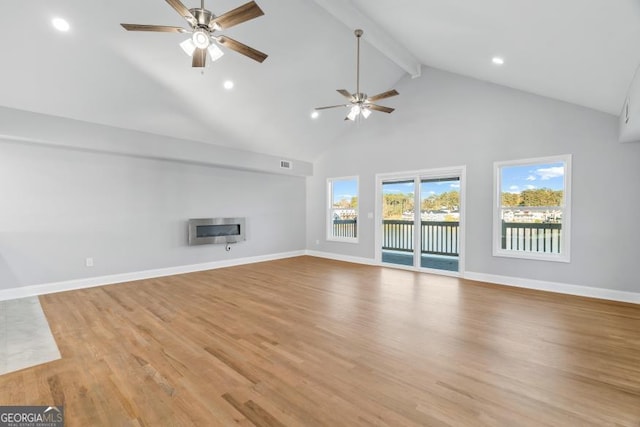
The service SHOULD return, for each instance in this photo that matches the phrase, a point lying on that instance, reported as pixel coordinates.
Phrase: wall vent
(286, 164)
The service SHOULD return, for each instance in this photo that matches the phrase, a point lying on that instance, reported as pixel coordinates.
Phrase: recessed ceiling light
(497, 60)
(60, 24)
(228, 85)
(315, 115)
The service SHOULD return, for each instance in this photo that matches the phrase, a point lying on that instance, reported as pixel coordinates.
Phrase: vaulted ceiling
(579, 51)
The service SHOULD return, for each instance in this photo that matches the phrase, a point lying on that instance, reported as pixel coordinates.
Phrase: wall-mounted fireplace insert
(206, 231)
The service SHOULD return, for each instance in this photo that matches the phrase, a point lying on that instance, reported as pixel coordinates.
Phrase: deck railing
(531, 237)
(440, 237)
(437, 237)
(443, 237)
(345, 228)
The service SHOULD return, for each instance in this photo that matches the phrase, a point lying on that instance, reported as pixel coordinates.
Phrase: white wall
(446, 120)
(60, 205)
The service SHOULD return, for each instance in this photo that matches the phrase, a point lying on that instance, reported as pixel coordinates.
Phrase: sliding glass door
(398, 217)
(421, 215)
(440, 223)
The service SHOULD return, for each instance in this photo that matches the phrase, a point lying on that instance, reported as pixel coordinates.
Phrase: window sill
(343, 240)
(532, 256)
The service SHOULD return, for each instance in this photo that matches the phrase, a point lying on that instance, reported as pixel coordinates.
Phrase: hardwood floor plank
(313, 342)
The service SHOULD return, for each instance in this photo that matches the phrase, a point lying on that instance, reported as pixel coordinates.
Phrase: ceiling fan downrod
(358, 34)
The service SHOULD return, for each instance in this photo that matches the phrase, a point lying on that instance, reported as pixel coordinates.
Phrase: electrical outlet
(88, 262)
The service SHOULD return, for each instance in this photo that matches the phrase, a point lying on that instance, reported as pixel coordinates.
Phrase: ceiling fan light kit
(188, 46)
(201, 38)
(215, 52)
(203, 24)
(361, 105)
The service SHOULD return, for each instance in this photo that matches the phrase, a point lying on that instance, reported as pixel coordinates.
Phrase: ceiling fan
(203, 24)
(360, 103)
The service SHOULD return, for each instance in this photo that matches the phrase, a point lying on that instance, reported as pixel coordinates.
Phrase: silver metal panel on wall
(207, 231)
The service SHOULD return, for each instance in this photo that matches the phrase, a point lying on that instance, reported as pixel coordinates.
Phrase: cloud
(514, 188)
(530, 187)
(432, 192)
(343, 196)
(455, 185)
(548, 173)
(531, 178)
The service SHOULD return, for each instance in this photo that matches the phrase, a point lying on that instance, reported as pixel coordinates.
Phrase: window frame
(565, 242)
(329, 212)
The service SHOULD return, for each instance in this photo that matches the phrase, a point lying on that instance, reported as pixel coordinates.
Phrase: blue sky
(344, 189)
(515, 179)
(398, 188)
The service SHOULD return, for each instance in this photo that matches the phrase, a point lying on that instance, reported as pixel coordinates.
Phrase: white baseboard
(90, 282)
(561, 288)
(345, 258)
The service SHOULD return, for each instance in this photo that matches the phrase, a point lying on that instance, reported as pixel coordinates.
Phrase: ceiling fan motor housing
(359, 97)
(203, 16)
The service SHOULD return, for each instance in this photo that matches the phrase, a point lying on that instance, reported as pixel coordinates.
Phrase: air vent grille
(286, 164)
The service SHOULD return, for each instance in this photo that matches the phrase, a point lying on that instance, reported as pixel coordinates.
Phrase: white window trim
(328, 216)
(565, 243)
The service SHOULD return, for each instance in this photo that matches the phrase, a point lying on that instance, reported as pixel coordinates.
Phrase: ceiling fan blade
(156, 28)
(183, 11)
(332, 106)
(199, 58)
(381, 108)
(232, 44)
(387, 94)
(237, 16)
(345, 93)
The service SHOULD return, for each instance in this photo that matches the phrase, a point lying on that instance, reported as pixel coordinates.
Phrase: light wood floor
(307, 341)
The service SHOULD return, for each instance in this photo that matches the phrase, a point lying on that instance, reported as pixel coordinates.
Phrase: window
(532, 208)
(342, 220)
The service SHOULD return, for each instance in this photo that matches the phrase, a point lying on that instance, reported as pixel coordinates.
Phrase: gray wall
(448, 120)
(61, 205)
(25, 126)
